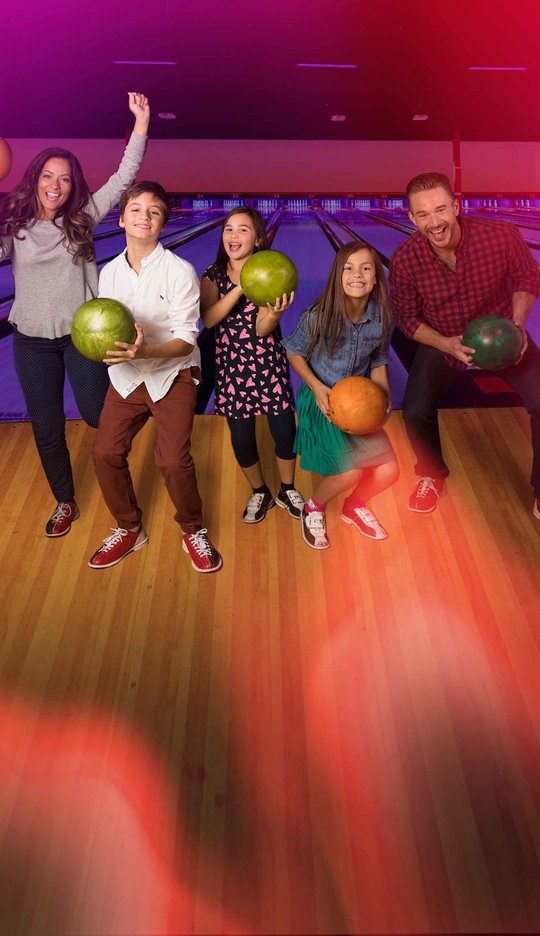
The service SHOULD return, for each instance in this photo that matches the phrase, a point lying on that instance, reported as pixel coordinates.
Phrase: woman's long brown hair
(21, 207)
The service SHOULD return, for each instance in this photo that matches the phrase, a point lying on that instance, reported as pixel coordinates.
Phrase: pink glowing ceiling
(260, 70)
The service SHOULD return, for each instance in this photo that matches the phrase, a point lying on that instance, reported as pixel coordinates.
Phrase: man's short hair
(139, 188)
(427, 181)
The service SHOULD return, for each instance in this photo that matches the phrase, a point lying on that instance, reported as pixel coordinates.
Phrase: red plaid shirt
(492, 262)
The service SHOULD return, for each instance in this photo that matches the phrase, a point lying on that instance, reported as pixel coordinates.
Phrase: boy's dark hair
(427, 181)
(139, 188)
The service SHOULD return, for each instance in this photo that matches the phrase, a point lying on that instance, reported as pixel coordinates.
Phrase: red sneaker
(60, 522)
(117, 546)
(426, 494)
(364, 520)
(204, 556)
(536, 508)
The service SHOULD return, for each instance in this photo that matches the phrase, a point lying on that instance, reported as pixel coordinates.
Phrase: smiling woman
(54, 187)
(46, 224)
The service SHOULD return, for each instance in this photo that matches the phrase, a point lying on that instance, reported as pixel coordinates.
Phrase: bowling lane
(300, 237)
(380, 236)
(201, 251)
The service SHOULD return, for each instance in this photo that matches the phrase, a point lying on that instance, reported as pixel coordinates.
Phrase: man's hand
(520, 324)
(454, 346)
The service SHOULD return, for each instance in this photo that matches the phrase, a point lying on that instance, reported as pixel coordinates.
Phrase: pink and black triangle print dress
(252, 372)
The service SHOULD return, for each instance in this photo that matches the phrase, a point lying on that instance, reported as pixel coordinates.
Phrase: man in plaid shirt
(453, 270)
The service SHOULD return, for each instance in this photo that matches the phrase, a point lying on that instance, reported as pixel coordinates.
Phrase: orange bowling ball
(359, 405)
(5, 159)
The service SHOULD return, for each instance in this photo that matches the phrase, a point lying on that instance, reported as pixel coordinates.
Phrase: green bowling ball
(267, 275)
(496, 340)
(98, 324)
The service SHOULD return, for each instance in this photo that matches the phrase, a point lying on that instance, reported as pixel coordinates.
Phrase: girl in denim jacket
(344, 334)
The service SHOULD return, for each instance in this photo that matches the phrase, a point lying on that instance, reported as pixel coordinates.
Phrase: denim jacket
(357, 352)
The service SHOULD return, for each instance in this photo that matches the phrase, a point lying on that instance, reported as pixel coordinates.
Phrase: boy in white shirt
(155, 376)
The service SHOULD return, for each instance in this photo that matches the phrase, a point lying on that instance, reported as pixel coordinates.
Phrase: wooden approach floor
(345, 742)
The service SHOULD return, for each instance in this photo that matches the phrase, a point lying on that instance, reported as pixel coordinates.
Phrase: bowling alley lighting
(136, 62)
(166, 115)
(338, 118)
(322, 65)
(513, 68)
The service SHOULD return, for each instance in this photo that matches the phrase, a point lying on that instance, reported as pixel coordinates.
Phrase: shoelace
(368, 517)
(117, 537)
(426, 485)
(200, 541)
(315, 521)
(254, 502)
(295, 498)
(63, 510)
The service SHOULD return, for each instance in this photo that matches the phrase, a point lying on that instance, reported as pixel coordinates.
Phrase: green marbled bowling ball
(496, 340)
(98, 324)
(267, 275)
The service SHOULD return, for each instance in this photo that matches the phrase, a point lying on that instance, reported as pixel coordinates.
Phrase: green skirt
(327, 450)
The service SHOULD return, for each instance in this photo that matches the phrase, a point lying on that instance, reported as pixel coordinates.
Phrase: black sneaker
(292, 501)
(314, 529)
(257, 507)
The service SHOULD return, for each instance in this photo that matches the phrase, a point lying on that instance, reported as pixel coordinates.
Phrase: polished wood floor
(305, 742)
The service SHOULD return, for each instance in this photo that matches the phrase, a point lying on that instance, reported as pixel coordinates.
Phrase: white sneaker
(257, 507)
(364, 520)
(314, 529)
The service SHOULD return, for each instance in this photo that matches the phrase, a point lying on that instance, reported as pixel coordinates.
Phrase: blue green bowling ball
(98, 324)
(267, 275)
(496, 340)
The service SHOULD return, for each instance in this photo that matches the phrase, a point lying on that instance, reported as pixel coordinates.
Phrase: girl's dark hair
(328, 314)
(21, 206)
(260, 235)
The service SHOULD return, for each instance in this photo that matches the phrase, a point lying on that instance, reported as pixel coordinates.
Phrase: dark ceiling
(237, 77)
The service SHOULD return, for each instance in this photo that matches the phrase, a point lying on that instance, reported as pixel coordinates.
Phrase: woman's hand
(139, 106)
(128, 352)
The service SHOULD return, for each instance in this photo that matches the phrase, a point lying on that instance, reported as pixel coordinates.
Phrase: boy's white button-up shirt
(164, 298)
